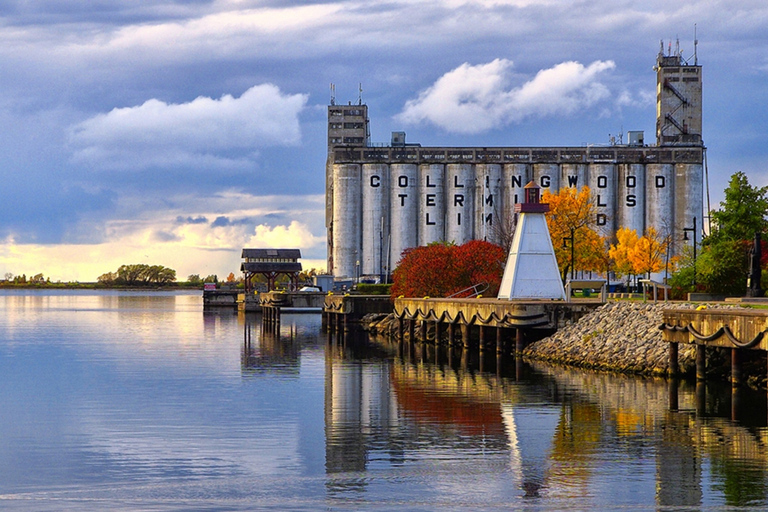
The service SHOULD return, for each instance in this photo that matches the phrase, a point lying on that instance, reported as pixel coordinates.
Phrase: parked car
(309, 289)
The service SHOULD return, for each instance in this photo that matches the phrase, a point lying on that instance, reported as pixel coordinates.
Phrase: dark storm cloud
(48, 215)
(223, 221)
(191, 220)
(111, 12)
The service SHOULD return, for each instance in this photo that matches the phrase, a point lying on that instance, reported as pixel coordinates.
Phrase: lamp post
(685, 238)
(566, 239)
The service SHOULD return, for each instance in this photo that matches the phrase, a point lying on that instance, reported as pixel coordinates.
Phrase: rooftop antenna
(333, 94)
(695, 47)
(360, 94)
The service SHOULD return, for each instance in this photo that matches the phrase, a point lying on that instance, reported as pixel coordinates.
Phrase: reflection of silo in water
(358, 406)
(404, 209)
(531, 431)
(375, 223)
(431, 203)
(488, 202)
(459, 208)
(345, 449)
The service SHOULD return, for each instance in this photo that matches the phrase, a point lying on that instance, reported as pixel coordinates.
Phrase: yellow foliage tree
(649, 252)
(626, 239)
(572, 213)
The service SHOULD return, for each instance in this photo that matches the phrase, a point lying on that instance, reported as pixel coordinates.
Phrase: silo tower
(678, 99)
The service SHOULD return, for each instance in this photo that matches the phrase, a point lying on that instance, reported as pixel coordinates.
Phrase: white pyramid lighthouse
(531, 271)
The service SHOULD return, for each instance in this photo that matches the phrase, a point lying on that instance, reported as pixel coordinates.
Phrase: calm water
(123, 401)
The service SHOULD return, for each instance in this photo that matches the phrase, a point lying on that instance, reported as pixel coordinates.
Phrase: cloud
(295, 235)
(474, 99)
(204, 131)
(191, 220)
(223, 221)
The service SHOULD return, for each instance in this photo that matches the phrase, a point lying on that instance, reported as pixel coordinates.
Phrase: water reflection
(136, 403)
(562, 434)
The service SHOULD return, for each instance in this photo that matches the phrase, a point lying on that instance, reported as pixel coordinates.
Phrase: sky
(176, 133)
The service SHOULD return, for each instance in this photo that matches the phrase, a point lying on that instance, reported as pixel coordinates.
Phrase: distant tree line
(195, 279)
(139, 275)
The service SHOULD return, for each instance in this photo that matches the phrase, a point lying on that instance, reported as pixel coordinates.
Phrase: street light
(565, 244)
(685, 238)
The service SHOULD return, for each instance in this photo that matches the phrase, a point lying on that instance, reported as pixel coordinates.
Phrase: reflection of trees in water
(443, 403)
(724, 425)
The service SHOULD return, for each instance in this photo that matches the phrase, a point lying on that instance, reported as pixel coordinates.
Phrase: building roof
(269, 266)
(293, 254)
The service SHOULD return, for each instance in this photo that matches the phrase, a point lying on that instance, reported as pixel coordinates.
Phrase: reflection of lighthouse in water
(531, 430)
(377, 412)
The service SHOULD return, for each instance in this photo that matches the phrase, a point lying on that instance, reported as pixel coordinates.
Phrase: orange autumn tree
(441, 269)
(574, 211)
(647, 256)
(626, 239)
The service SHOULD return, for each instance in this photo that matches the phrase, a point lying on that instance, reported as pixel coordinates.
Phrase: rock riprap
(618, 336)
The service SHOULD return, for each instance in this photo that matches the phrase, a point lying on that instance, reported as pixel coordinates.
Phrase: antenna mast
(695, 47)
(333, 94)
(360, 94)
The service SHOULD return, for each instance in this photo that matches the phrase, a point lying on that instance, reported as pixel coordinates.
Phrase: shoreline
(620, 337)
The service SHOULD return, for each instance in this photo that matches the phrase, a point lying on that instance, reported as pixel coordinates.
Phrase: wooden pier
(480, 321)
(460, 322)
(736, 330)
(272, 304)
(218, 298)
(340, 312)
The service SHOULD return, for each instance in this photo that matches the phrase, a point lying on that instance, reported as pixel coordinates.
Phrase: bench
(655, 285)
(586, 284)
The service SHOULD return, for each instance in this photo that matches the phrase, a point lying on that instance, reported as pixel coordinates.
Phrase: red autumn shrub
(442, 269)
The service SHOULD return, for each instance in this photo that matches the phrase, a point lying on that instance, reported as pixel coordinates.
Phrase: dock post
(465, 336)
(701, 362)
(438, 332)
(736, 377)
(324, 321)
(451, 334)
(701, 398)
(423, 331)
(411, 330)
(674, 368)
(499, 341)
(400, 328)
(674, 403)
(482, 337)
(519, 343)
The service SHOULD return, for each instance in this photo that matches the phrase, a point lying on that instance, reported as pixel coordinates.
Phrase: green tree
(194, 279)
(742, 213)
(722, 264)
(108, 278)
